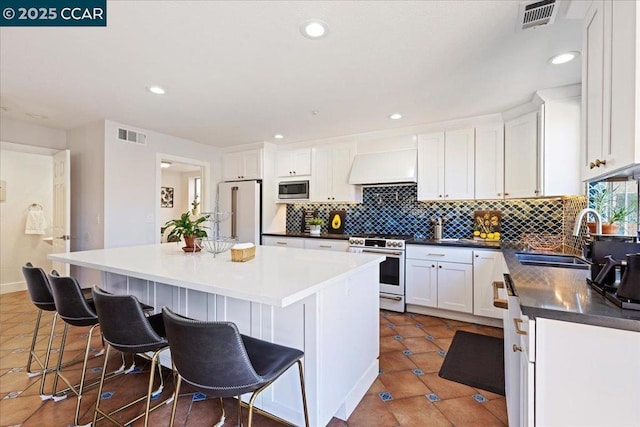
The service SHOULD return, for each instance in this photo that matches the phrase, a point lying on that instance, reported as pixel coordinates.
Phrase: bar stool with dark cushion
(126, 328)
(40, 293)
(216, 358)
(76, 311)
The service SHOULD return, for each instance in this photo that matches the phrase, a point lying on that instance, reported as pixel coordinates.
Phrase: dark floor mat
(475, 360)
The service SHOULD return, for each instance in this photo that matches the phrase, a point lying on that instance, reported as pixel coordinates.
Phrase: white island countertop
(276, 276)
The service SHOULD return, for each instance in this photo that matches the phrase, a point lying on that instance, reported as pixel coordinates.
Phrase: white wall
(132, 209)
(12, 130)
(29, 179)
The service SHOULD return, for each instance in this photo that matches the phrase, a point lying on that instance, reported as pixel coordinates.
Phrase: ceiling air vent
(536, 13)
(132, 136)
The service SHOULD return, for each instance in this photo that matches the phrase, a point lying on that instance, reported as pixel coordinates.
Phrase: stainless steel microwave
(293, 190)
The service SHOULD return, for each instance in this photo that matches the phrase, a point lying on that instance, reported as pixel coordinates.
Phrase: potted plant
(314, 226)
(189, 227)
(618, 215)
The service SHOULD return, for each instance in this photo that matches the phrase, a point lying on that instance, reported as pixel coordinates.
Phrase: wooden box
(242, 255)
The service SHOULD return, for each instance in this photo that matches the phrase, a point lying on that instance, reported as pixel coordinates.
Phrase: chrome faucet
(581, 215)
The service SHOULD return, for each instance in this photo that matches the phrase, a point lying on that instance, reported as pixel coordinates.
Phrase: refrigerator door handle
(234, 210)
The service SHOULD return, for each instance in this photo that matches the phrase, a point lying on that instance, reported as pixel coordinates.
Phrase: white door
(455, 286)
(61, 208)
(459, 168)
(487, 268)
(490, 162)
(521, 157)
(421, 283)
(431, 166)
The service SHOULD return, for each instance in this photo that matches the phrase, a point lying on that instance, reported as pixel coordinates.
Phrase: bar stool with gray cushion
(215, 358)
(125, 328)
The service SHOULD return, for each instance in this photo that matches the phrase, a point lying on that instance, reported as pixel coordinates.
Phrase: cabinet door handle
(536, 192)
(499, 194)
(433, 266)
(326, 246)
(506, 194)
(281, 243)
(497, 301)
(435, 254)
(516, 348)
(439, 266)
(516, 323)
(439, 195)
(600, 163)
(592, 165)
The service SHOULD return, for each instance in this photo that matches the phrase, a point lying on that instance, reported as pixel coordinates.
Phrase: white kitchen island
(324, 303)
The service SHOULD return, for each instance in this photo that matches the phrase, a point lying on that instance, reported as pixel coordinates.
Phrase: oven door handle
(391, 298)
(381, 252)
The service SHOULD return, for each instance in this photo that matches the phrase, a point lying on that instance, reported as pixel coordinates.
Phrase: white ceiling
(240, 72)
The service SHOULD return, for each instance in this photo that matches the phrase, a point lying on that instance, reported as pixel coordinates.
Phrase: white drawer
(440, 253)
(326, 244)
(288, 242)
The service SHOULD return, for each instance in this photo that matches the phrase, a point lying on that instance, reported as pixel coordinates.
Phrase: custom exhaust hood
(389, 167)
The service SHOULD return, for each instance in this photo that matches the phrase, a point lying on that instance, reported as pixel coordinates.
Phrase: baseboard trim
(448, 314)
(7, 288)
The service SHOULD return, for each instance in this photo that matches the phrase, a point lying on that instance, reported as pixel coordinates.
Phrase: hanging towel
(36, 222)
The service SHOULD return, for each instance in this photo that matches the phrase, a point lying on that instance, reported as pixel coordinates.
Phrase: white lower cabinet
(439, 277)
(289, 242)
(488, 267)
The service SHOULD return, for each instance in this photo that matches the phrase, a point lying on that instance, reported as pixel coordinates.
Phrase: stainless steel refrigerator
(244, 200)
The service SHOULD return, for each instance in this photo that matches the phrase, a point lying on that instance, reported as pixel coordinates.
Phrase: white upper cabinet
(521, 157)
(446, 165)
(331, 168)
(292, 163)
(431, 166)
(459, 164)
(595, 135)
(242, 165)
(610, 103)
(489, 163)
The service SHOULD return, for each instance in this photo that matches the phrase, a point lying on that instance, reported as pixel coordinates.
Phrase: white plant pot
(314, 229)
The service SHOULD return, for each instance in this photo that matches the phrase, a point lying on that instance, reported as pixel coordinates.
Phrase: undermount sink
(552, 260)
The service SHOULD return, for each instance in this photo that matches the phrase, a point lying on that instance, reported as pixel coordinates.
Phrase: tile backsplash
(396, 210)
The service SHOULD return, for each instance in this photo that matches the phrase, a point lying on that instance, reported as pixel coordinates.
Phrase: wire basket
(218, 245)
(543, 241)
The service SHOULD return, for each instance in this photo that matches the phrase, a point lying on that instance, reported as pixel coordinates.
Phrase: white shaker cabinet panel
(455, 287)
(292, 163)
(489, 163)
(521, 157)
(242, 165)
(330, 179)
(421, 282)
(487, 268)
(431, 166)
(326, 244)
(459, 168)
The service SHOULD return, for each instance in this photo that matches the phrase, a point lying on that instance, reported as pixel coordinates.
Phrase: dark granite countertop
(563, 294)
(321, 236)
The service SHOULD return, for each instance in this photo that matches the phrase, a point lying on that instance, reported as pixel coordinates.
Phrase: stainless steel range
(391, 269)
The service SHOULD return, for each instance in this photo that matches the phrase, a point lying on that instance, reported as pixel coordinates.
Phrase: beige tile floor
(408, 391)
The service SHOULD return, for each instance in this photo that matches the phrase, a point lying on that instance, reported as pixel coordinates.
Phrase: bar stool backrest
(38, 287)
(70, 303)
(123, 323)
(210, 354)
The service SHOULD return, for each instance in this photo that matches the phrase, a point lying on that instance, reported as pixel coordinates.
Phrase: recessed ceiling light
(156, 89)
(563, 58)
(278, 136)
(314, 29)
(36, 116)
(395, 116)
(164, 164)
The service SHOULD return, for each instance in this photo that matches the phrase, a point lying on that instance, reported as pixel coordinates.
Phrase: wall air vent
(537, 13)
(132, 136)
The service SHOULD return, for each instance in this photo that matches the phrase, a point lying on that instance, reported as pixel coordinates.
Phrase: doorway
(183, 186)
